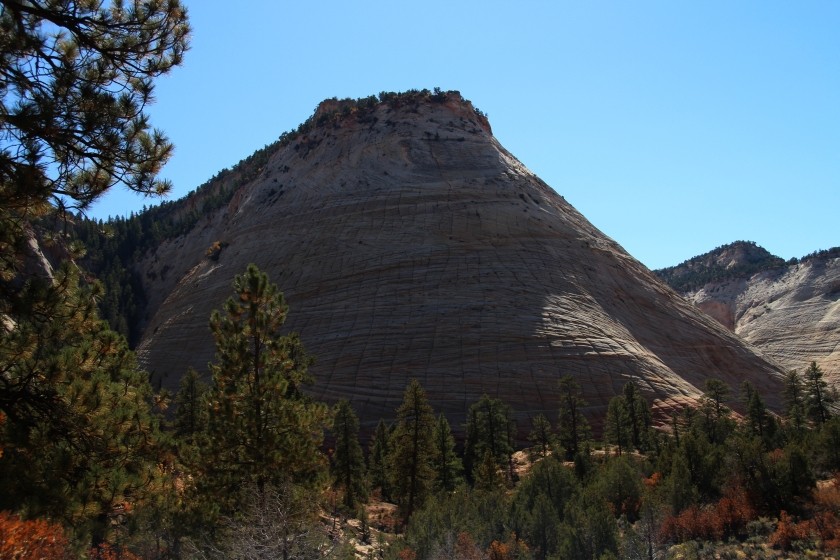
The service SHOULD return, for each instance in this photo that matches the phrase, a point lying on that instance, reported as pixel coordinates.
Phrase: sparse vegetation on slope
(740, 259)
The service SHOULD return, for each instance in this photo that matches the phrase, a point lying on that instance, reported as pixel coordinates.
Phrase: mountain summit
(410, 244)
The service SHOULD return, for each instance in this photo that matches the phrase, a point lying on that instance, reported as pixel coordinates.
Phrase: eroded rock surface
(792, 314)
(410, 244)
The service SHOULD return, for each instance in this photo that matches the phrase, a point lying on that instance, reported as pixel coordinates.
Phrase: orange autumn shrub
(34, 539)
(787, 532)
(733, 511)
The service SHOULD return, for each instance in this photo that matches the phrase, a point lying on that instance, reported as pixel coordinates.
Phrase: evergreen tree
(488, 430)
(716, 422)
(262, 429)
(541, 436)
(819, 397)
(412, 450)
(191, 412)
(759, 423)
(617, 425)
(795, 404)
(639, 416)
(77, 77)
(378, 454)
(446, 463)
(78, 436)
(572, 427)
(348, 464)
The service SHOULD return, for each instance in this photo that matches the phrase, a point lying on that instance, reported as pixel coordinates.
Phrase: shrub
(34, 539)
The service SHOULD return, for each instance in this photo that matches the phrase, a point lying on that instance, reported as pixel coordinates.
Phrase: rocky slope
(790, 311)
(410, 243)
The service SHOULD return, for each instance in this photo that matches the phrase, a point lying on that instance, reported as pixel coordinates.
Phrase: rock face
(791, 312)
(410, 244)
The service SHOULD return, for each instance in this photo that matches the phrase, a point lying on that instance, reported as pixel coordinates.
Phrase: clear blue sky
(674, 127)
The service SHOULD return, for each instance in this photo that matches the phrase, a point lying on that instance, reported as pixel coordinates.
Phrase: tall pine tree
(348, 464)
(263, 430)
(412, 450)
(572, 427)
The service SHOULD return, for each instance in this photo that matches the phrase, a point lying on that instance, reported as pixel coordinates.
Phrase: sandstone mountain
(789, 310)
(410, 244)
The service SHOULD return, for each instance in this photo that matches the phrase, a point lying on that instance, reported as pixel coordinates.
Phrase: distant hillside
(788, 310)
(735, 260)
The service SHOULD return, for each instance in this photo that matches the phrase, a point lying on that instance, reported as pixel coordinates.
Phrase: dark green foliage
(795, 404)
(482, 515)
(445, 461)
(262, 429)
(377, 460)
(412, 450)
(542, 437)
(77, 77)
(639, 414)
(572, 428)
(714, 418)
(548, 478)
(77, 435)
(617, 429)
(619, 484)
(589, 529)
(348, 465)
(191, 408)
(759, 422)
(699, 271)
(819, 397)
(490, 430)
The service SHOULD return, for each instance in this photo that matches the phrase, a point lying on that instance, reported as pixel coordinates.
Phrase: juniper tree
(263, 429)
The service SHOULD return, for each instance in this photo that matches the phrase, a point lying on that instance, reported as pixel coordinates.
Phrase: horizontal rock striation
(791, 313)
(410, 244)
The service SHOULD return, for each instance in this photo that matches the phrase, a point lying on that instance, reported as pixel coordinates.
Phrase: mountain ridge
(789, 310)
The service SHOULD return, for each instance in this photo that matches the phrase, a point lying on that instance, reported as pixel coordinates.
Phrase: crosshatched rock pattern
(410, 244)
(791, 313)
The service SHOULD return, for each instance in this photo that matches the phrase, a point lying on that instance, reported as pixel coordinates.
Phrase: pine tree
(378, 455)
(348, 463)
(79, 436)
(541, 436)
(617, 429)
(819, 397)
(262, 428)
(795, 404)
(488, 430)
(191, 412)
(572, 427)
(412, 449)
(446, 463)
(639, 415)
(77, 77)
